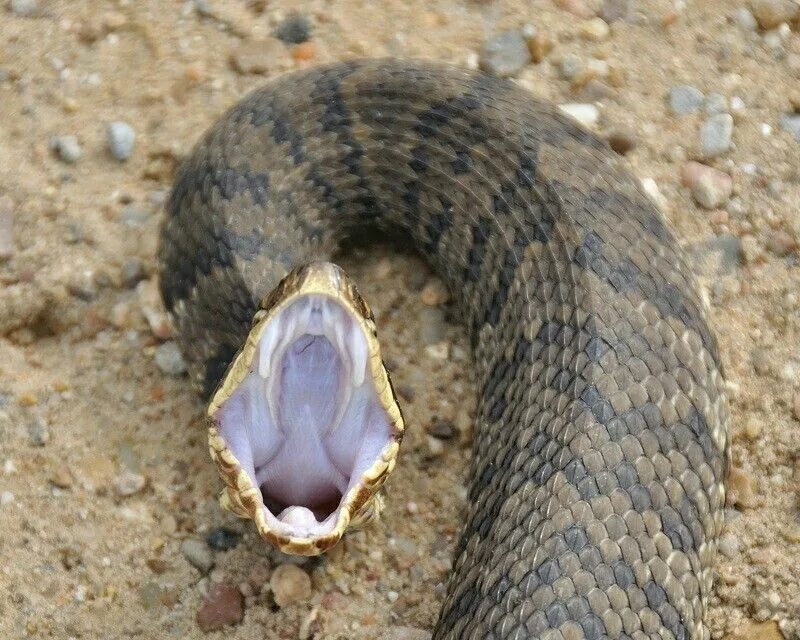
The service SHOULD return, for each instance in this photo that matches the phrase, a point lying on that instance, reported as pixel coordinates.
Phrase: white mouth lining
(296, 440)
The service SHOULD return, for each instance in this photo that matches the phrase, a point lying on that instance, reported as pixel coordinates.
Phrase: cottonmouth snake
(597, 480)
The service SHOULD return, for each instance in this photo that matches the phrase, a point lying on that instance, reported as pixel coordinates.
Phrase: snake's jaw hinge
(370, 512)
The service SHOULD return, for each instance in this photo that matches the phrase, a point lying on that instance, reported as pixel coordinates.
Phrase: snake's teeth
(267, 345)
(358, 352)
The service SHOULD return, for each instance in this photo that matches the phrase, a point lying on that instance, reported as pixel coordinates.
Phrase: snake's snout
(305, 426)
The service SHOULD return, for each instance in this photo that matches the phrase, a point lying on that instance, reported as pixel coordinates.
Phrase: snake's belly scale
(596, 485)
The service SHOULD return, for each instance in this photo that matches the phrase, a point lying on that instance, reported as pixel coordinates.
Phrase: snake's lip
(305, 428)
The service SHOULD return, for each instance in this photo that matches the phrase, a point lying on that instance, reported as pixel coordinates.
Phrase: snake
(597, 479)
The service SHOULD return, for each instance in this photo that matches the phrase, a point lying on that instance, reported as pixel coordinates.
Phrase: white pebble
(121, 138)
(169, 359)
(766, 130)
(651, 188)
(587, 114)
(66, 148)
(24, 8)
(6, 498)
(716, 135)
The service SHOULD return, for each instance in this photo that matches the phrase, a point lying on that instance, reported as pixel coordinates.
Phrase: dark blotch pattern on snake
(596, 488)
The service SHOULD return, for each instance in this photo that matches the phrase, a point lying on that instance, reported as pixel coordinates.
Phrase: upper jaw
(317, 301)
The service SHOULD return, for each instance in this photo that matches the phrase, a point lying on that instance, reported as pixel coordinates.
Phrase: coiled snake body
(596, 487)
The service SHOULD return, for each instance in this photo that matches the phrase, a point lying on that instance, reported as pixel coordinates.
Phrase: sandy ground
(104, 471)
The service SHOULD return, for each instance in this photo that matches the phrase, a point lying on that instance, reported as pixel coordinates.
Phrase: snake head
(305, 427)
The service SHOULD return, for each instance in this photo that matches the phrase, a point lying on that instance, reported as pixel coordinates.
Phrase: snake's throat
(306, 421)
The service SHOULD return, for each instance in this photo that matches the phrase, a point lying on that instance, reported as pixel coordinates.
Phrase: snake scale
(597, 480)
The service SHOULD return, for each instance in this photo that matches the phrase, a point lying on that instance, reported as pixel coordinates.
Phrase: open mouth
(307, 422)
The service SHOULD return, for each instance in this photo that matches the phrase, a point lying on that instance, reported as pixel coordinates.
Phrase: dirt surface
(107, 494)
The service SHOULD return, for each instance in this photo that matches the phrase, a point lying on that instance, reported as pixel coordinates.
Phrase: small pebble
(442, 429)
(61, 477)
(622, 141)
(595, 30)
(434, 293)
(223, 539)
(133, 216)
(729, 545)
(438, 350)
(38, 432)
(150, 304)
(651, 188)
(716, 135)
(6, 227)
(120, 138)
(128, 483)
(740, 489)
(24, 8)
(791, 122)
(66, 148)
(540, 45)
(684, 99)
(587, 114)
(505, 54)
(434, 447)
(131, 273)
(771, 13)
(294, 29)
(290, 584)
(613, 10)
(170, 359)
(571, 66)
(710, 187)
(223, 606)
(198, 554)
(745, 19)
(6, 498)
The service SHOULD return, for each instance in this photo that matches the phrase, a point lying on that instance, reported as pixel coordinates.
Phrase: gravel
(198, 554)
(120, 138)
(595, 30)
(716, 135)
(129, 483)
(791, 122)
(710, 187)
(6, 498)
(38, 433)
(684, 99)
(66, 148)
(505, 54)
(170, 359)
(290, 584)
(223, 606)
(294, 29)
(24, 8)
(587, 114)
